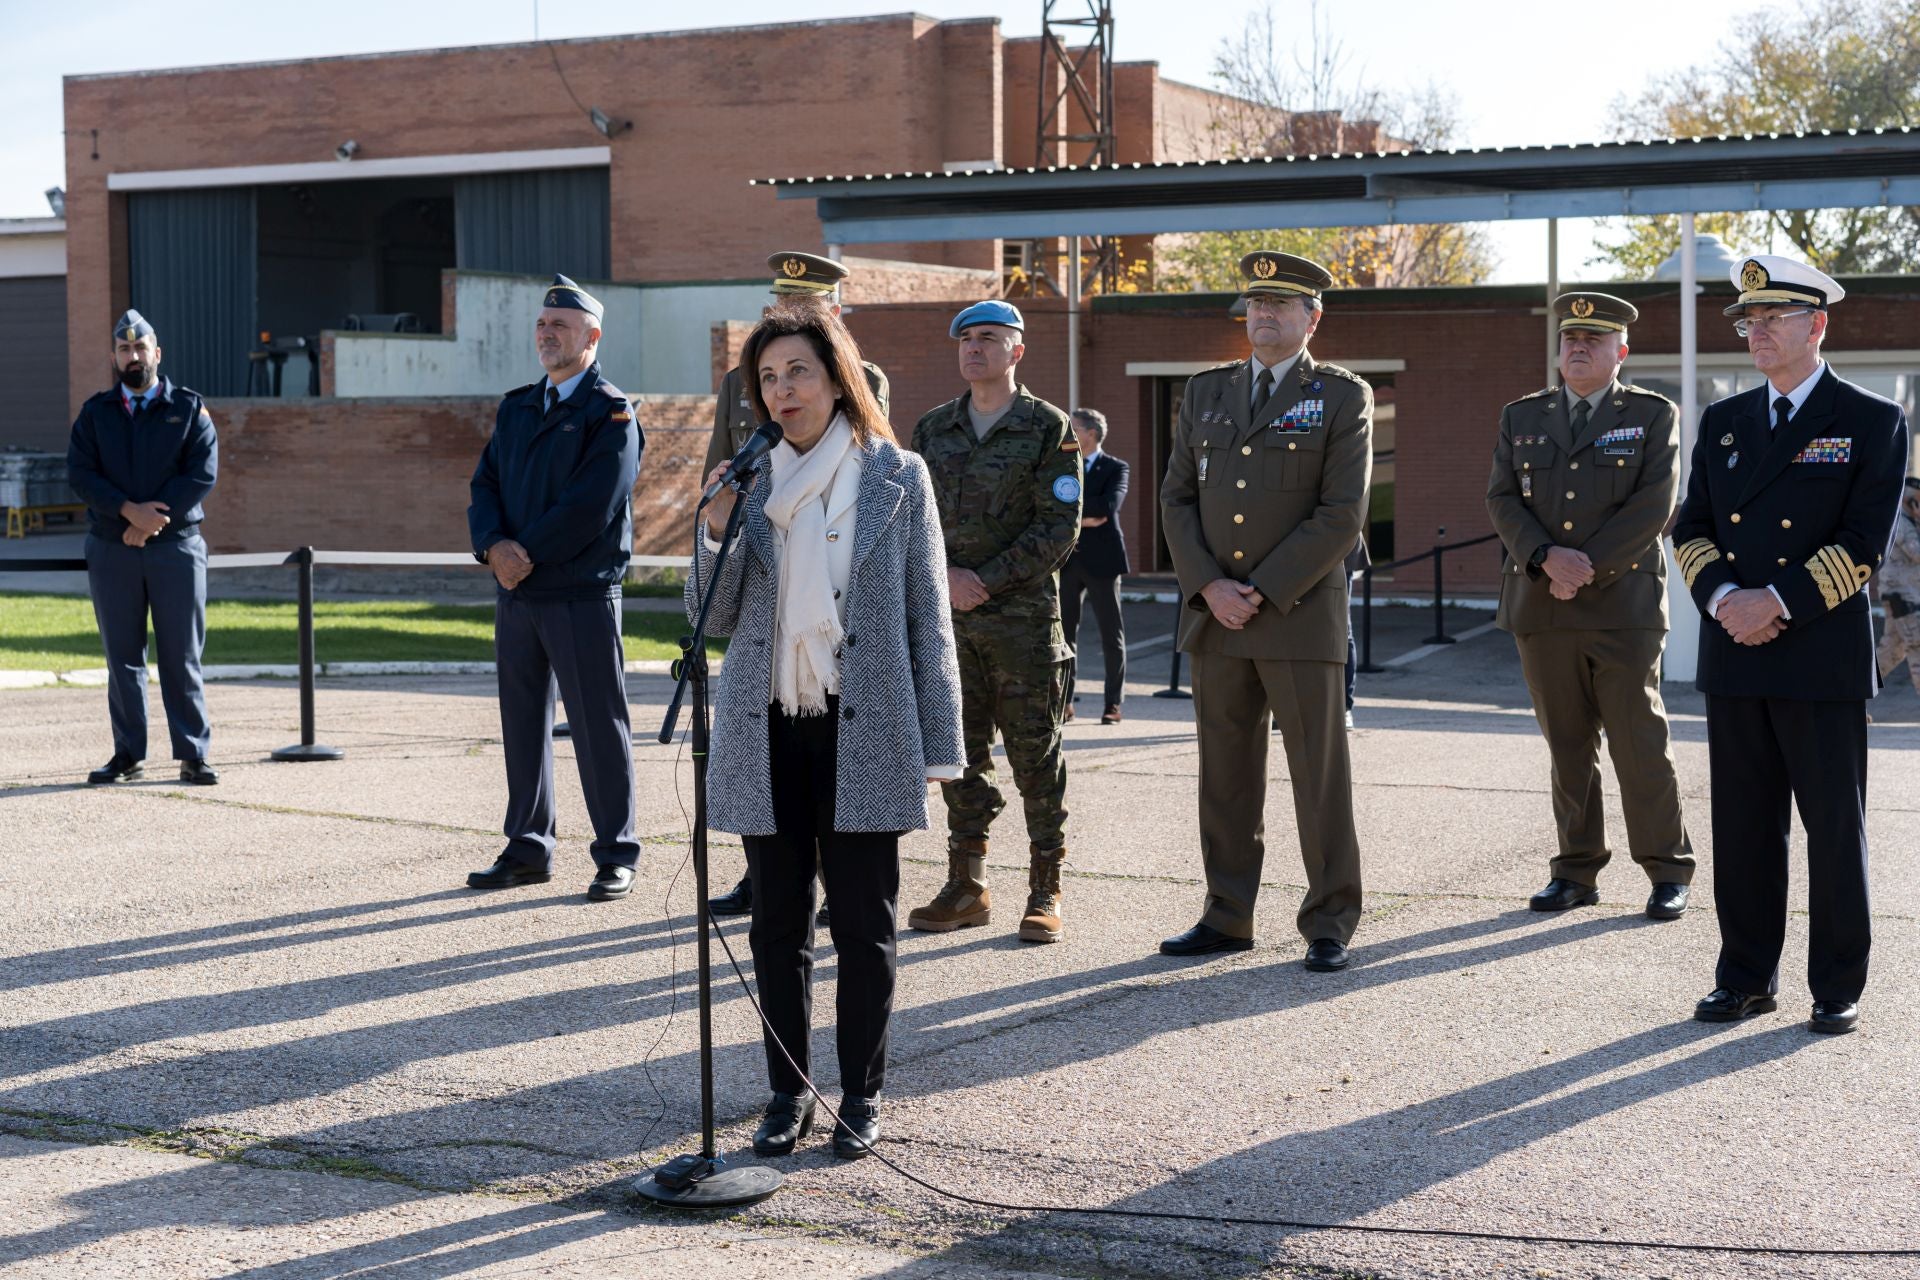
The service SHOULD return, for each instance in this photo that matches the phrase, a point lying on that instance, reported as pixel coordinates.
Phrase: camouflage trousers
(1013, 677)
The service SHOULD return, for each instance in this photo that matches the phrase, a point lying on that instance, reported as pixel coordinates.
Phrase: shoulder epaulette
(1534, 395)
(520, 391)
(1338, 372)
(1644, 391)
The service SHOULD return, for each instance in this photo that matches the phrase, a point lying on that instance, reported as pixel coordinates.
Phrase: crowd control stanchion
(1173, 689)
(1440, 549)
(306, 750)
(704, 1181)
(1366, 663)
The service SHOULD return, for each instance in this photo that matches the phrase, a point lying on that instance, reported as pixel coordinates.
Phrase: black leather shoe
(737, 901)
(821, 920)
(859, 1128)
(122, 768)
(1561, 894)
(1201, 940)
(611, 883)
(198, 772)
(789, 1118)
(1728, 1005)
(1834, 1017)
(1667, 902)
(505, 873)
(1324, 955)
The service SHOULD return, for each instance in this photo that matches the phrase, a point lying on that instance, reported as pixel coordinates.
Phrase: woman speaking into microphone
(839, 700)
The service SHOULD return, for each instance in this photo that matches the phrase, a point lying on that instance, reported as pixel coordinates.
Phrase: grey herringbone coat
(899, 678)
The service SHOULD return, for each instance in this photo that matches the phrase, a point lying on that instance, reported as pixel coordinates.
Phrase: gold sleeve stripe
(1695, 556)
(1823, 579)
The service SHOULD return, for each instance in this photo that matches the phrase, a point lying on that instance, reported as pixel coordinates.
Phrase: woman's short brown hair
(837, 351)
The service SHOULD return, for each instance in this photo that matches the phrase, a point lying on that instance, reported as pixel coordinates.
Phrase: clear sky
(1522, 72)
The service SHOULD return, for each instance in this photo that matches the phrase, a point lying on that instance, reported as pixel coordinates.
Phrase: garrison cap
(1769, 280)
(131, 327)
(992, 311)
(569, 296)
(805, 273)
(1269, 271)
(1601, 312)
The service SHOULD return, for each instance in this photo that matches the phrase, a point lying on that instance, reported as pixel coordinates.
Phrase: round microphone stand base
(697, 1182)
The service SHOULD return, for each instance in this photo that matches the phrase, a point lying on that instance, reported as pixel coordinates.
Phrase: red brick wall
(392, 475)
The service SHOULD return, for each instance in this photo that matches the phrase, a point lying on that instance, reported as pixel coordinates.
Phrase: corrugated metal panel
(193, 262)
(33, 363)
(535, 223)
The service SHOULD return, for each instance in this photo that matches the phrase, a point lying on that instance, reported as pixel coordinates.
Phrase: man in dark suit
(1098, 561)
(1789, 508)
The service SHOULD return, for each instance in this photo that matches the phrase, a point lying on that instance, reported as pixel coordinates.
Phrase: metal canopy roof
(1855, 168)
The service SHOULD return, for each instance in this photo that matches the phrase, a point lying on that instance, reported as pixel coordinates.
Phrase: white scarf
(811, 507)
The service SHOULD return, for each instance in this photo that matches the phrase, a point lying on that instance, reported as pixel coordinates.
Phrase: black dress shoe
(859, 1128)
(1561, 894)
(789, 1118)
(1667, 902)
(1728, 1005)
(737, 901)
(820, 918)
(198, 772)
(1834, 1017)
(506, 873)
(122, 768)
(1201, 940)
(1324, 955)
(610, 883)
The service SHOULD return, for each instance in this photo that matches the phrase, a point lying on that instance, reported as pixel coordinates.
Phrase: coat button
(1246, 449)
(1735, 517)
(1292, 445)
(833, 535)
(1569, 494)
(1786, 524)
(1731, 556)
(1781, 560)
(1239, 484)
(850, 639)
(1573, 466)
(1239, 555)
(1633, 566)
(846, 713)
(1526, 466)
(1238, 518)
(1566, 524)
(1621, 463)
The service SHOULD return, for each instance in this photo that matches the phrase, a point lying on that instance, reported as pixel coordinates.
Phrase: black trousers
(861, 872)
(1104, 595)
(1764, 753)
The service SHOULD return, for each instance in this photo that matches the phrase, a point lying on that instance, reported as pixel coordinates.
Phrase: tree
(1840, 64)
(1284, 98)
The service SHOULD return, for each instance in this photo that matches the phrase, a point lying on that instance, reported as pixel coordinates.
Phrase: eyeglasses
(1761, 324)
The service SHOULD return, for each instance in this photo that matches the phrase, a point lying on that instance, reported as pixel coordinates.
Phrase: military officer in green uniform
(1006, 475)
(1585, 477)
(1264, 499)
(797, 278)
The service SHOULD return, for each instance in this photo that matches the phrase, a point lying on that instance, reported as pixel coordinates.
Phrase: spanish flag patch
(621, 415)
(1071, 444)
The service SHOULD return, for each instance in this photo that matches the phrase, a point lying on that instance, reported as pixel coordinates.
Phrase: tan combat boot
(963, 901)
(1042, 921)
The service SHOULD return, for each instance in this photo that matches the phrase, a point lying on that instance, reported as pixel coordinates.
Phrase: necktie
(553, 397)
(1262, 391)
(1580, 411)
(1781, 409)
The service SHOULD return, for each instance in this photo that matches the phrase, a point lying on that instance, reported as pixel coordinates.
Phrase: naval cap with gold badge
(568, 296)
(1769, 280)
(1270, 271)
(1599, 312)
(808, 274)
(132, 327)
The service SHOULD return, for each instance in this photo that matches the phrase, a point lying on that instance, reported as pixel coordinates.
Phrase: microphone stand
(705, 1181)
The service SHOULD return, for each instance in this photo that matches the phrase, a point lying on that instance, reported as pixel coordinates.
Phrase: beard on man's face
(134, 376)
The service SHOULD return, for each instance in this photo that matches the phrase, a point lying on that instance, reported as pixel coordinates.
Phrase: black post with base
(704, 1180)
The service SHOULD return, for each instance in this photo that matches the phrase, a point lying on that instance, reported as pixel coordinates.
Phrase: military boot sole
(1035, 931)
(924, 924)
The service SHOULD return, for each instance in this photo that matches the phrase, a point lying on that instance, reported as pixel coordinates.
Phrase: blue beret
(131, 327)
(992, 311)
(565, 293)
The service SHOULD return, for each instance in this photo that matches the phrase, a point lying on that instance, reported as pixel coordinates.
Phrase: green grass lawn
(57, 633)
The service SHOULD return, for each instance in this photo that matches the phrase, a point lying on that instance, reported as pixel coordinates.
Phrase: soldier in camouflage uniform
(1006, 473)
(797, 278)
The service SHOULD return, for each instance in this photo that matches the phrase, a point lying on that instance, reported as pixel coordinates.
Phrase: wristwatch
(1539, 556)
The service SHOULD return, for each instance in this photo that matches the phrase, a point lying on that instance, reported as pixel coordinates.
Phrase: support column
(1073, 324)
(1683, 640)
(1553, 291)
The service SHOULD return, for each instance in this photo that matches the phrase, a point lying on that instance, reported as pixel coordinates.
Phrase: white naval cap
(1769, 280)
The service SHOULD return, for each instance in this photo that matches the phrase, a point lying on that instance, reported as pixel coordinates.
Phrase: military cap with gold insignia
(805, 273)
(1769, 280)
(1601, 312)
(569, 296)
(1269, 271)
(131, 327)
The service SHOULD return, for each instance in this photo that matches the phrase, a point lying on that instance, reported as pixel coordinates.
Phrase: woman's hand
(721, 508)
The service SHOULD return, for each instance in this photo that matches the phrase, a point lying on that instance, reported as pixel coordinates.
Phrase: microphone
(758, 446)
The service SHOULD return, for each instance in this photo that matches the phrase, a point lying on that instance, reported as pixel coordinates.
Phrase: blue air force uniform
(557, 477)
(1796, 494)
(158, 446)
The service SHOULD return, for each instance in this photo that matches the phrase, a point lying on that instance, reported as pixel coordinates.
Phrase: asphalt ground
(261, 1030)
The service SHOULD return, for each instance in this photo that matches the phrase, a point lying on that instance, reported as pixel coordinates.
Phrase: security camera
(57, 200)
(346, 150)
(609, 126)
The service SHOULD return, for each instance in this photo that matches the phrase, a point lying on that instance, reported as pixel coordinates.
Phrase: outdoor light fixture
(57, 200)
(346, 150)
(609, 126)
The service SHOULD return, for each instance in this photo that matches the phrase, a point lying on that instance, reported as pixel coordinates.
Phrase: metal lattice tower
(1076, 106)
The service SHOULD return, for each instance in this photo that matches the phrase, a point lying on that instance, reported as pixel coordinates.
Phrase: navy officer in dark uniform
(1788, 511)
(551, 515)
(144, 457)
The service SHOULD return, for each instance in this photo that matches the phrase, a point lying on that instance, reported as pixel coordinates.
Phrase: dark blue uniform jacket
(1809, 514)
(166, 452)
(561, 485)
